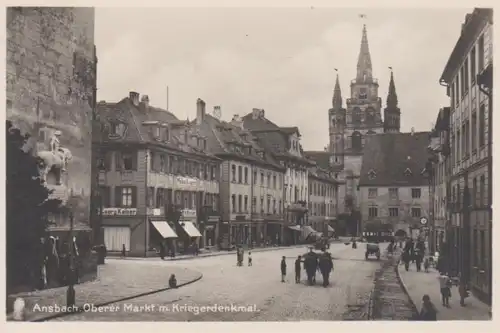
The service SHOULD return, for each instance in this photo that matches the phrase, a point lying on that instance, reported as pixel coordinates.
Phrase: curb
(98, 305)
(225, 253)
(405, 289)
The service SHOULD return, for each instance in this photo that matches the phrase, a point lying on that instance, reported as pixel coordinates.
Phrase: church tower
(363, 116)
(392, 113)
(336, 119)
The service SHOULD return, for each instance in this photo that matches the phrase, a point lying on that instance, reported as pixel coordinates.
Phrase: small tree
(27, 207)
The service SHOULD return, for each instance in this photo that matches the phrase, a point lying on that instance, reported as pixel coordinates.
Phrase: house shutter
(118, 196)
(118, 161)
(107, 160)
(156, 162)
(134, 196)
(134, 156)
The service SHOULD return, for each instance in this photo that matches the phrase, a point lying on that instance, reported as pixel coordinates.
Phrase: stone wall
(50, 87)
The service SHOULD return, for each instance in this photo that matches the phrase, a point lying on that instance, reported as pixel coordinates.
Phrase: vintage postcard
(230, 164)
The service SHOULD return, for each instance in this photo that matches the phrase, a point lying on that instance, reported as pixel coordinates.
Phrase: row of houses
(461, 161)
(206, 182)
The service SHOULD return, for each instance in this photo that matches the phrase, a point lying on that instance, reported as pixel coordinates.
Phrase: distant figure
(162, 251)
(283, 269)
(172, 282)
(124, 251)
(297, 269)
(249, 258)
(428, 312)
(463, 292)
(445, 284)
(426, 265)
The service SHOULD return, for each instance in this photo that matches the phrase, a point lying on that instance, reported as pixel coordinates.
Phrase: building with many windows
(251, 182)
(438, 170)
(468, 78)
(323, 200)
(283, 144)
(157, 183)
(394, 187)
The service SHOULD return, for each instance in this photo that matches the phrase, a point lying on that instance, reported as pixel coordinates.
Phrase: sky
(281, 60)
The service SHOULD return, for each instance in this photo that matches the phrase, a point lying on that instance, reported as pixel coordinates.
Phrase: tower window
(356, 141)
(363, 94)
(356, 116)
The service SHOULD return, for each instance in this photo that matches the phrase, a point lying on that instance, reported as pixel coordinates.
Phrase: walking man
(283, 269)
(297, 269)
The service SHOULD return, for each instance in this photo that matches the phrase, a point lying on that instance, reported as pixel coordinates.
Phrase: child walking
(249, 258)
(444, 284)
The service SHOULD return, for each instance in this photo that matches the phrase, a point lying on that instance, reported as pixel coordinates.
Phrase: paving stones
(390, 301)
(224, 284)
(116, 280)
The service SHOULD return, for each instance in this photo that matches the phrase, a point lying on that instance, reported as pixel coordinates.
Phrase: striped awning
(190, 229)
(294, 227)
(164, 229)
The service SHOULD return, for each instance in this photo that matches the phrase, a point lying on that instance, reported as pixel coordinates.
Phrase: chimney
(200, 111)
(144, 102)
(134, 97)
(237, 121)
(257, 113)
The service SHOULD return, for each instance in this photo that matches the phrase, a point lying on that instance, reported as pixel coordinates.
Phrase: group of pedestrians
(311, 263)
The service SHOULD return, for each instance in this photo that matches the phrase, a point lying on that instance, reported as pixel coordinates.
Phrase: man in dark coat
(310, 265)
(297, 269)
(283, 269)
(162, 251)
(325, 266)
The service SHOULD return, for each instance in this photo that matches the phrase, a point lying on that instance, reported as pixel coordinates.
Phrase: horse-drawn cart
(372, 249)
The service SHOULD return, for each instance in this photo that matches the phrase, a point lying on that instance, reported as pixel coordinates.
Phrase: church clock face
(363, 93)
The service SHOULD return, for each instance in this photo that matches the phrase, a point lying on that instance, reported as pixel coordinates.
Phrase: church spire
(337, 95)
(392, 97)
(364, 72)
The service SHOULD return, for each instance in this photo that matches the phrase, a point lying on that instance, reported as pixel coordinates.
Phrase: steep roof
(221, 134)
(133, 117)
(387, 157)
(272, 137)
(322, 158)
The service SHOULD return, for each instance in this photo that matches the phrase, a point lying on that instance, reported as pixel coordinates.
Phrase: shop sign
(188, 213)
(119, 211)
(185, 181)
(154, 211)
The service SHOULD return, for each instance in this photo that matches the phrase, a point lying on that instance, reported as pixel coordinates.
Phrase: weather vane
(390, 68)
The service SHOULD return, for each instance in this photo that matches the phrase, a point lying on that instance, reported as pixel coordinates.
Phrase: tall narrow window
(480, 55)
(458, 138)
(473, 65)
(482, 125)
(457, 90)
(240, 207)
(466, 75)
(233, 173)
(240, 174)
(245, 206)
(481, 191)
(246, 175)
(473, 137)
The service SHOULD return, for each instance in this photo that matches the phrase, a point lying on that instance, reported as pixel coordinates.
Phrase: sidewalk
(114, 283)
(420, 283)
(205, 254)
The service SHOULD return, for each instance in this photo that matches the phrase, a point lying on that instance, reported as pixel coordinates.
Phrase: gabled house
(155, 179)
(283, 143)
(251, 182)
(394, 186)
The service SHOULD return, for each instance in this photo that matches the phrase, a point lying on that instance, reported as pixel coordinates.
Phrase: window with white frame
(127, 197)
(372, 193)
(372, 211)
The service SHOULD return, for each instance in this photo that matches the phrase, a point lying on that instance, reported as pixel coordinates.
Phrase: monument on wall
(51, 80)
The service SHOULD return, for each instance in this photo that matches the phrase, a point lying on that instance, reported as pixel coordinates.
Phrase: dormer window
(261, 154)
(166, 134)
(157, 133)
(249, 150)
(408, 172)
(372, 174)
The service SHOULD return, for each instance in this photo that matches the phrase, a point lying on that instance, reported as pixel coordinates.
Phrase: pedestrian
(428, 312)
(124, 251)
(406, 260)
(249, 258)
(444, 284)
(426, 265)
(418, 260)
(297, 269)
(283, 269)
(172, 282)
(162, 251)
(463, 292)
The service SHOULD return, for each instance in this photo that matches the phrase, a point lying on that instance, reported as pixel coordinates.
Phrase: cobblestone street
(259, 286)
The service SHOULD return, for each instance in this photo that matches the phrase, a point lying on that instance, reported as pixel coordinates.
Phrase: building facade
(283, 144)
(350, 127)
(469, 237)
(439, 172)
(251, 182)
(394, 187)
(158, 185)
(51, 81)
(323, 201)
